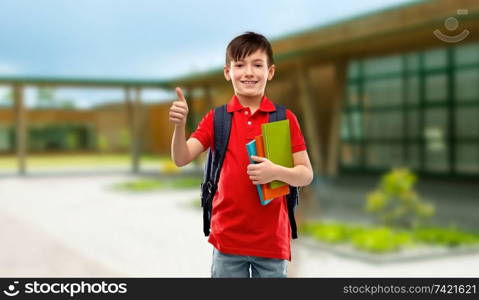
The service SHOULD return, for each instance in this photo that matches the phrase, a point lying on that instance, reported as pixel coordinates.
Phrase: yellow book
(277, 146)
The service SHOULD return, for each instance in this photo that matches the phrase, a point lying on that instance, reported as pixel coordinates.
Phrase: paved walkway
(78, 226)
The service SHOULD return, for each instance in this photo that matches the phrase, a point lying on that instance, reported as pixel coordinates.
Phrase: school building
(397, 87)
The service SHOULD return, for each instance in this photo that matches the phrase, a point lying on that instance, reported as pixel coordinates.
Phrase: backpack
(222, 126)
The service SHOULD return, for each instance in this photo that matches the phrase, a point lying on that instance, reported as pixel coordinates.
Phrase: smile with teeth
(249, 82)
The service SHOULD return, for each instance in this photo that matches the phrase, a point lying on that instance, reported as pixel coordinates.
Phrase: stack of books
(275, 144)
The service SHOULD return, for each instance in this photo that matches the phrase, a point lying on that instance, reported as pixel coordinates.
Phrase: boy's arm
(182, 151)
(266, 171)
(300, 175)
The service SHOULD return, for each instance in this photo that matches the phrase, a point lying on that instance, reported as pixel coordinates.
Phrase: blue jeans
(239, 266)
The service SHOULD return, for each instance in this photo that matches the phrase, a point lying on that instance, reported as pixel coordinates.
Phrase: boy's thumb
(180, 95)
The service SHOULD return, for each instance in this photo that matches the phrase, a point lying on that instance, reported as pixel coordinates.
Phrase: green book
(277, 146)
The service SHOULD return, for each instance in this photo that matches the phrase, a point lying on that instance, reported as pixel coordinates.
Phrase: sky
(145, 39)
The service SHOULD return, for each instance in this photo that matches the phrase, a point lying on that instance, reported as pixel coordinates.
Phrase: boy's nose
(249, 70)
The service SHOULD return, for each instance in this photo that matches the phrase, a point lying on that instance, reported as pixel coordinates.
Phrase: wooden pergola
(132, 90)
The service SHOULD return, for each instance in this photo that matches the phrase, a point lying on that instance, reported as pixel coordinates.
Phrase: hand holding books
(275, 145)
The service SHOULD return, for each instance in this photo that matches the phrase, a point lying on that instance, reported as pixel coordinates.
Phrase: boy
(245, 235)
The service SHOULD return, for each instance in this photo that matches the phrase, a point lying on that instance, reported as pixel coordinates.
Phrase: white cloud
(7, 68)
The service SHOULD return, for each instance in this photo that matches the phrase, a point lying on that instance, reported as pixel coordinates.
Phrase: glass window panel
(353, 70)
(467, 158)
(349, 154)
(467, 122)
(413, 156)
(466, 54)
(345, 130)
(7, 138)
(436, 123)
(383, 92)
(413, 123)
(382, 65)
(412, 61)
(6, 98)
(436, 87)
(356, 124)
(5, 142)
(467, 85)
(435, 137)
(436, 157)
(383, 124)
(413, 90)
(436, 58)
(353, 95)
(383, 156)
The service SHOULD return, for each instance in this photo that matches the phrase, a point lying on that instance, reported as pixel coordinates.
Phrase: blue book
(251, 149)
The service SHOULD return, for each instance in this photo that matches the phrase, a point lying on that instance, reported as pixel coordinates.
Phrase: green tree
(46, 97)
(7, 98)
(396, 203)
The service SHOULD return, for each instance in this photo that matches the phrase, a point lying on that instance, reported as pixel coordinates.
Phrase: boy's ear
(227, 73)
(271, 70)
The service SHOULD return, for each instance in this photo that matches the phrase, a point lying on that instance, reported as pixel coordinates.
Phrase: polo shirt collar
(234, 105)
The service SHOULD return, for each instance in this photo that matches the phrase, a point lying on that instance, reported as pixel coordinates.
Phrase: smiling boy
(248, 239)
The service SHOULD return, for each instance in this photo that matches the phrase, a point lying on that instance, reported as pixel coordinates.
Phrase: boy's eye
(259, 66)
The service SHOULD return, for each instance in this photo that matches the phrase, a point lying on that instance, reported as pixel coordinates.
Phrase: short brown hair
(246, 44)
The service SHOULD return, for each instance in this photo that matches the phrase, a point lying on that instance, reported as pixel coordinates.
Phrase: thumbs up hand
(179, 109)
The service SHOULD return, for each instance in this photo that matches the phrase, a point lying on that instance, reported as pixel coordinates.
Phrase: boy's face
(249, 75)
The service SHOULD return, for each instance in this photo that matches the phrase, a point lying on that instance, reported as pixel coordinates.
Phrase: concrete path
(78, 226)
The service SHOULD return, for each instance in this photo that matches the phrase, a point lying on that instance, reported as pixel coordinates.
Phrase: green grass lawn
(68, 160)
(151, 184)
(382, 239)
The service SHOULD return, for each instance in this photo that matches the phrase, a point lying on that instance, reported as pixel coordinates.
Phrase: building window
(418, 109)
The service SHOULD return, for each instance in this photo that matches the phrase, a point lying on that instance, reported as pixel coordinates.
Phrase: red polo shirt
(240, 224)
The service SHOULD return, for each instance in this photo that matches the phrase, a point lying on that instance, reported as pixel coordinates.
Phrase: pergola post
(335, 128)
(191, 120)
(20, 127)
(137, 133)
(308, 108)
(208, 99)
(133, 113)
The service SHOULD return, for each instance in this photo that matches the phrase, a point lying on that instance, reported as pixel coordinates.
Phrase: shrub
(395, 203)
(381, 240)
(332, 233)
(445, 236)
(386, 239)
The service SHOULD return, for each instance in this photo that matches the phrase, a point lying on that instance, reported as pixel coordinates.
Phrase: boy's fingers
(258, 158)
(176, 115)
(180, 103)
(178, 109)
(180, 95)
(175, 120)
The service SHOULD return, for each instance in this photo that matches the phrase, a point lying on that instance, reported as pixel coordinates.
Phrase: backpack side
(292, 199)
(214, 163)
